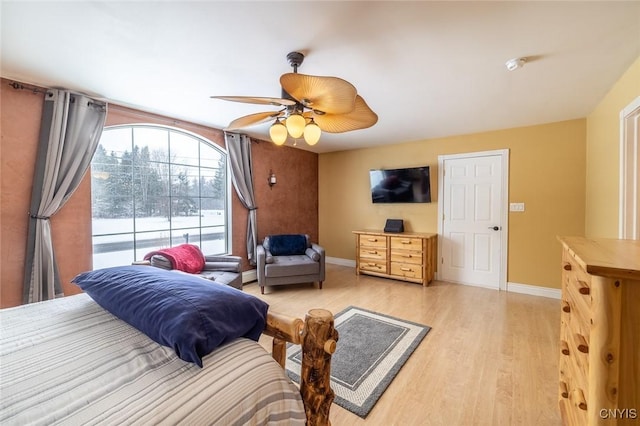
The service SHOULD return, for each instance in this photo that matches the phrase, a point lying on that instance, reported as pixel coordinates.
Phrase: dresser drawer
(571, 378)
(373, 241)
(407, 256)
(406, 243)
(572, 415)
(578, 276)
(373, 253)
(578, 284)
(373, 266)
(578, 359)
(574, 379)
(407, 270)
(578, 293)
(579, 316)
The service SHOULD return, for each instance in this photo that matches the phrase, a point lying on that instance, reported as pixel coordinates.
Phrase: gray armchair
(289, 259)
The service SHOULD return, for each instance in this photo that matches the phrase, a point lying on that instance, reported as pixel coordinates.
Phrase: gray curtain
(239, 147)
(70, 129)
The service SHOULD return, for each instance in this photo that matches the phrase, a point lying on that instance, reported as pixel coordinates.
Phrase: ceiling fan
(309, 105)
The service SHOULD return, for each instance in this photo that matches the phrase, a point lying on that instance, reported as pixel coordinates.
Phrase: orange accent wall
(290, 206)
(20, 123)
(297, 173)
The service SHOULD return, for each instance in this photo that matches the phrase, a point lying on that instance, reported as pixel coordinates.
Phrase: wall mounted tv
(407, 185)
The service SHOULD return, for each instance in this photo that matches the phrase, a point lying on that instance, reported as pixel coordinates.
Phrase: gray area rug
(371, 349)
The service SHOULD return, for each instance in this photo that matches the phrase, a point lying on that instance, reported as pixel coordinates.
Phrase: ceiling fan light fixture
(295, 125)
(278, 132)
(327, 104)
(312, 133)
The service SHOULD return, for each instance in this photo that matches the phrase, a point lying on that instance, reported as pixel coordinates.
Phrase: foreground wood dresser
(600, 332)
(404, 256)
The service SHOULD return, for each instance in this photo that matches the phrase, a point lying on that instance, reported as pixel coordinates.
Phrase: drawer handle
(406, 241)
(583, 288)
(566, 267)
(564, 391)
(566, 307)
(371, 264)
(373, 252)
(373, 240)
(406, 269)
(407, 256)
(578, 399)
(581, 343)
(564, 347)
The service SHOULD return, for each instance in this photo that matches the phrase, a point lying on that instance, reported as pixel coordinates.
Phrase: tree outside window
(155, 187)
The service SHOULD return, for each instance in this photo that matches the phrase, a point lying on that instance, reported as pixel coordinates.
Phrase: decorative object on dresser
(600, 332)
(394, 225)
(406, 256)
(373, 349)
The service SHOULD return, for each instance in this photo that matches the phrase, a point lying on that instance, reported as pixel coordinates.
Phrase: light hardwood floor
(491, 357)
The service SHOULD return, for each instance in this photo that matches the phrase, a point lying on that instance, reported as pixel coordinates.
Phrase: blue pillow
(185, 312)
(286, 245)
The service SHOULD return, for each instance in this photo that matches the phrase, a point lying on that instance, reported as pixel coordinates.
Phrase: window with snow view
(154, 187)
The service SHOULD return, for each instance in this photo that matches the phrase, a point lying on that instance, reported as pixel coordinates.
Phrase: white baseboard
(339, 261)
(534, 290)
(249, 276)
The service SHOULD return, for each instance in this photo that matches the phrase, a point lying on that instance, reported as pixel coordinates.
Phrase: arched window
(155, 187)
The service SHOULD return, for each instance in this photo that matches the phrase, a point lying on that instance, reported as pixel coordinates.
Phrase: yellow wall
(603, 156)
(547, 173)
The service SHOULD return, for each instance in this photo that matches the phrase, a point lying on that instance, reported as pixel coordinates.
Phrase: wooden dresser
(600, 332)
(405, 256)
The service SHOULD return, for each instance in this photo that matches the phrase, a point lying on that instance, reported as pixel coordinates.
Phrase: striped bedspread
(68, 361)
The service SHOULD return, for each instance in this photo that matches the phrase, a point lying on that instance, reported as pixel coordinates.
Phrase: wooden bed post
(318, 338)
(283, 329)
(318, 343)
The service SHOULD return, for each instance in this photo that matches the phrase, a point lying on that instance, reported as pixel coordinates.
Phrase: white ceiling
(428, 69)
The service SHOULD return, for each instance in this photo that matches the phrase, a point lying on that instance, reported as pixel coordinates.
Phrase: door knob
(495, 228)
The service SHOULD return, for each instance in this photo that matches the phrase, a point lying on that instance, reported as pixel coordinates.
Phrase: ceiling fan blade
(253, 119)
(257, 100)
(332, 95)
(360, 118)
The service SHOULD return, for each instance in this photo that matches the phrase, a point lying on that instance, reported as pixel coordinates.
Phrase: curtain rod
(34, 89)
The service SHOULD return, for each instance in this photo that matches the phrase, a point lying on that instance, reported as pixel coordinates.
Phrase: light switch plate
(516, 207)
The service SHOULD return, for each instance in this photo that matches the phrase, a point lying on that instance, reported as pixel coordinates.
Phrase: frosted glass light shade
(312, 133)
(278, 133)
(295, 125)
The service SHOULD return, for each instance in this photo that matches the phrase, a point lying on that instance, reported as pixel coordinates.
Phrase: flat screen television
(406, 185)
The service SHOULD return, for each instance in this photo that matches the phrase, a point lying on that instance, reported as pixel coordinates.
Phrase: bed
(74, 361)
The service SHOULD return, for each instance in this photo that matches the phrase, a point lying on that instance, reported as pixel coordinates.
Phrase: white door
(473, 218)
(630, 171)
